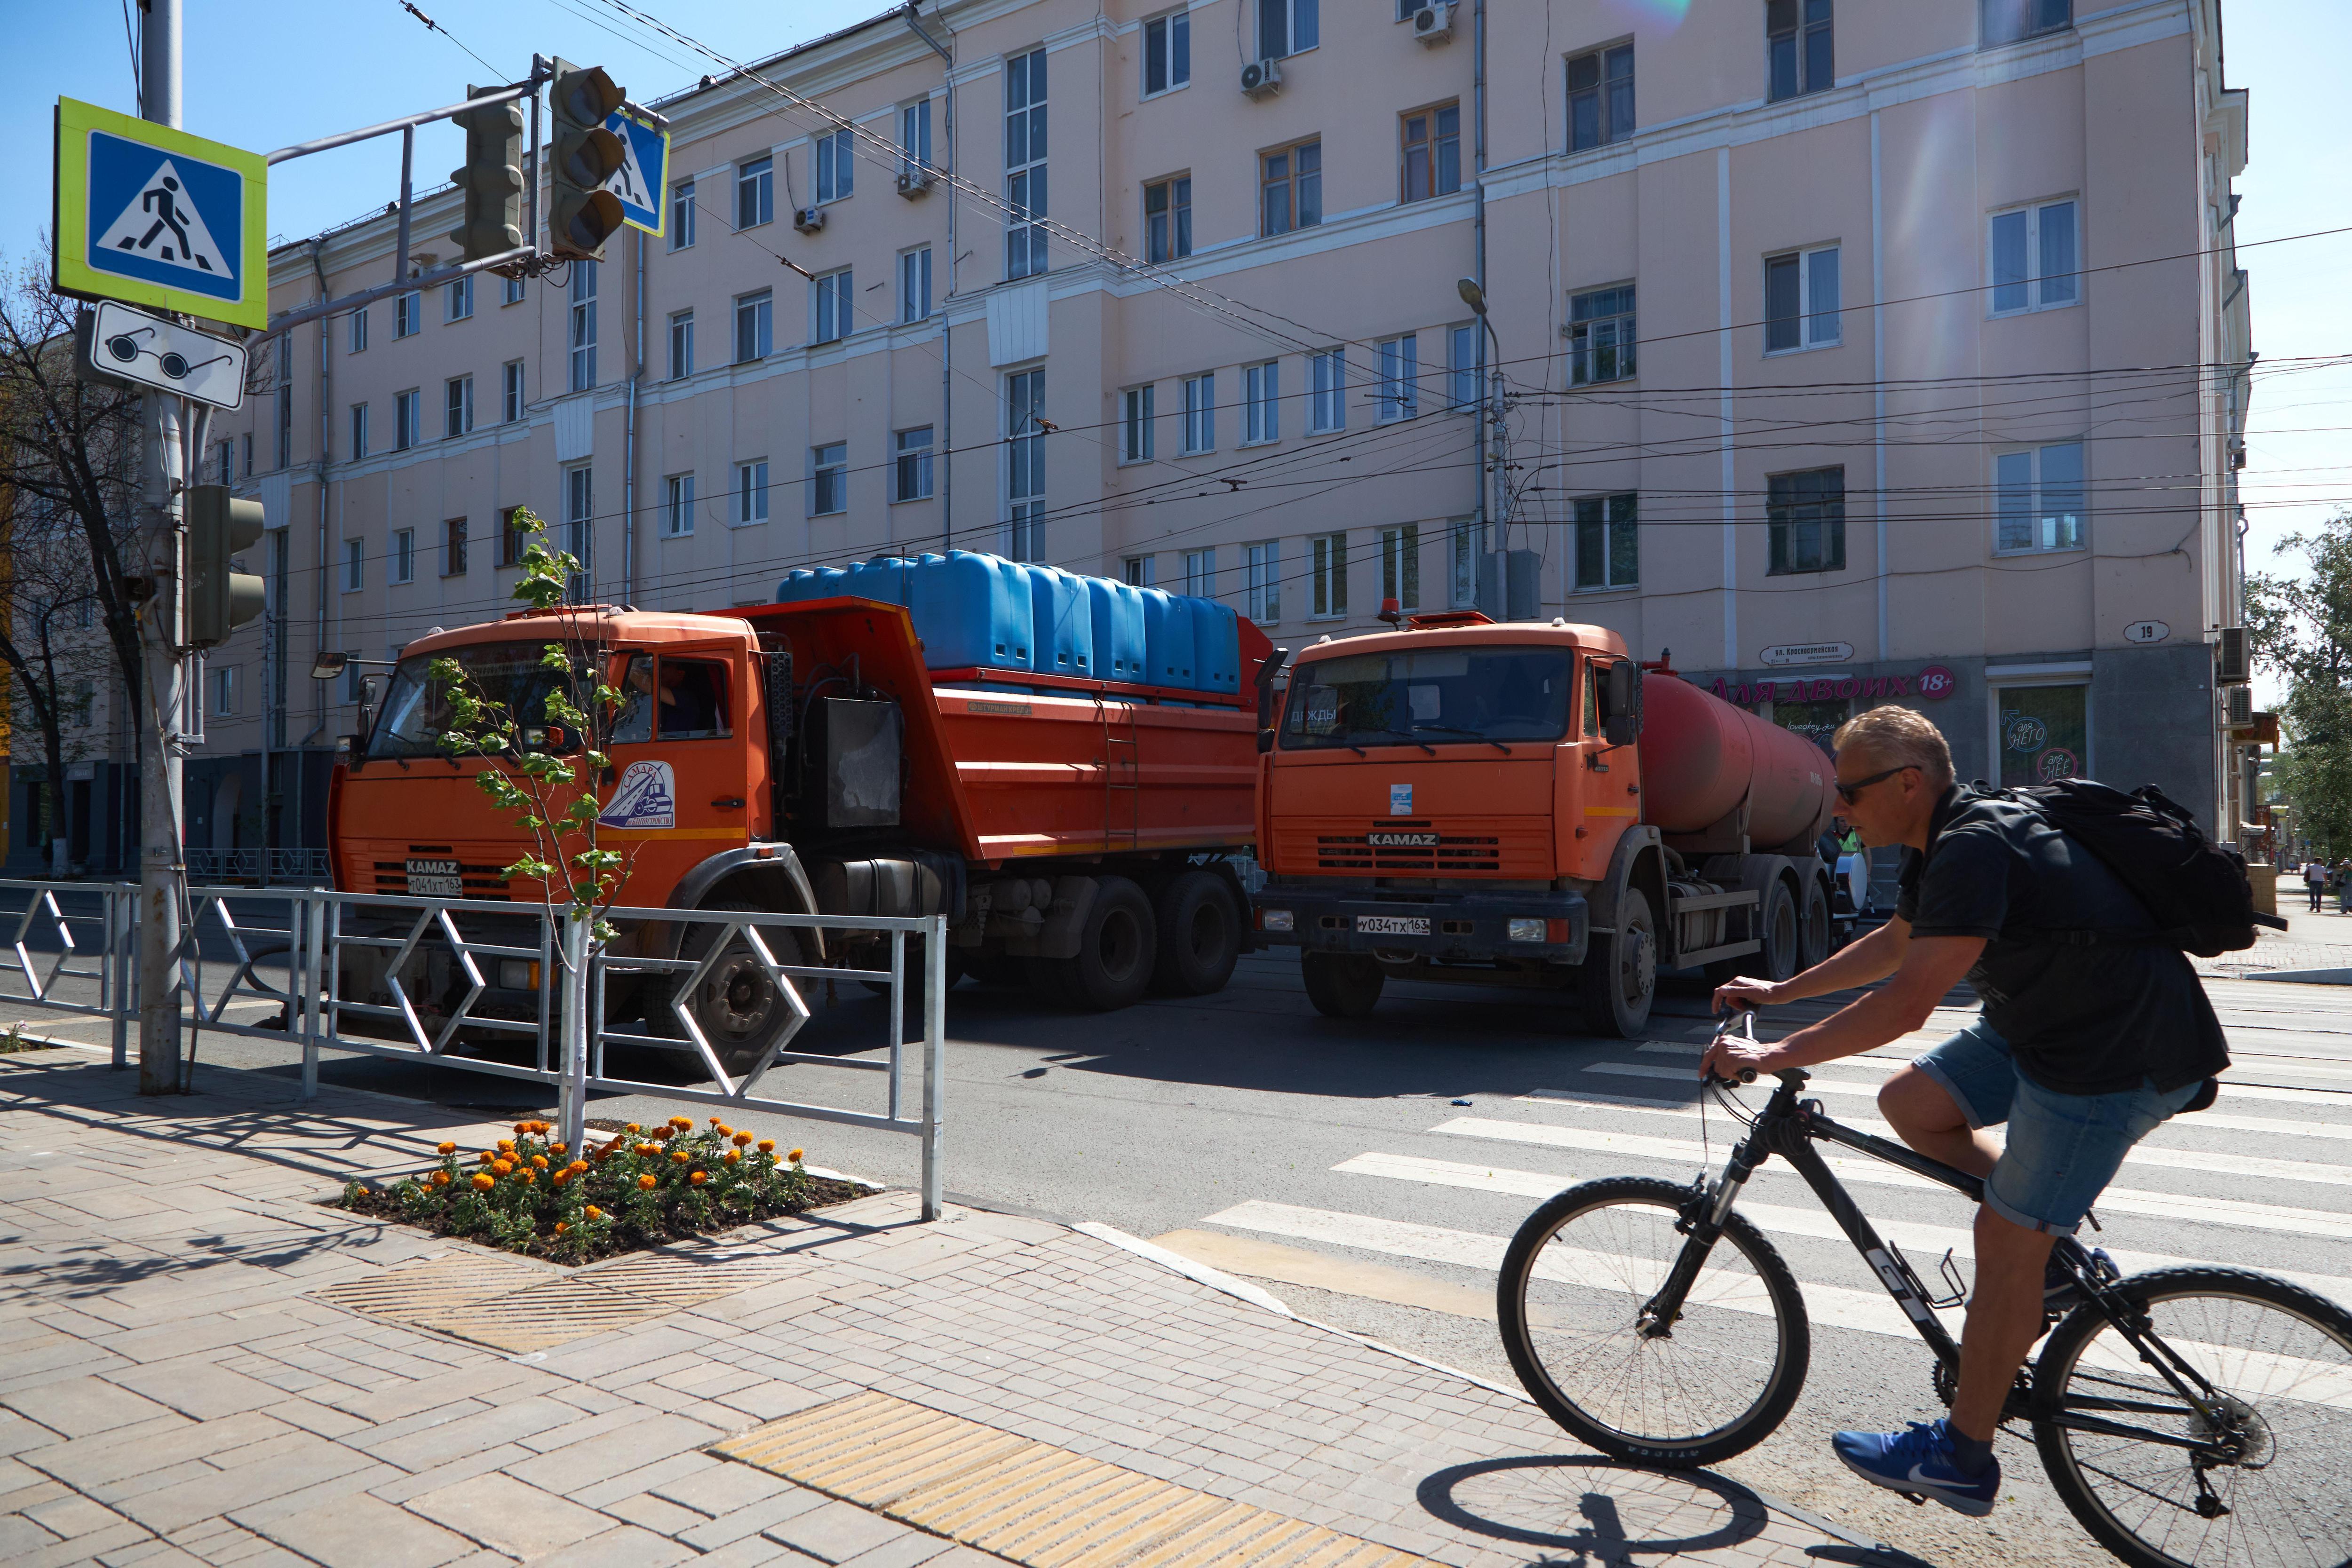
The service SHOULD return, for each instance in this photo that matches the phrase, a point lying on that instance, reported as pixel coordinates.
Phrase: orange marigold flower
(561, 1176)
(561, 1226)
(734, 1156)
(559, 1148)
(538, 1162)
(645, 1181)
(794, 1157)
(446, 1149)
(681, 1121)
(527, 1177)
(521, 1127)
(635, 1128)
(699, 1178)
(717, 1123)
(592, 1212)
(487, 1155)
(648, 1149)
(767, 1145)
(440, 1178)
(505, 1144)
(485, 1182)
(741, 1139)
(504, 1168)
(680, 1156)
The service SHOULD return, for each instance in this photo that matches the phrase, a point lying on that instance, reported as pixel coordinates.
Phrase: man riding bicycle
(2083, 1049)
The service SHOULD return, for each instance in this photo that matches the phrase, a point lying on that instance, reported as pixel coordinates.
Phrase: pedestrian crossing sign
(645, 164)
(157, 217)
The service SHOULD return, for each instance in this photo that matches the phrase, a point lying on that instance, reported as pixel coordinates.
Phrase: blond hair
(1898, 737)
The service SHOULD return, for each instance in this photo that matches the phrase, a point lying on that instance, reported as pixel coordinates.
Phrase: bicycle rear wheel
(2281, 1360)
(1574, 1282)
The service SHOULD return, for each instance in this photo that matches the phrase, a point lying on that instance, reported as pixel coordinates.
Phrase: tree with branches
(2299, 626)
(49, 647)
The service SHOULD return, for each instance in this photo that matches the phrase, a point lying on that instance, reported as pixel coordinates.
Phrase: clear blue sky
(264, 73)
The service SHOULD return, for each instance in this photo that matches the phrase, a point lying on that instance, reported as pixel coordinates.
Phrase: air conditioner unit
(1433, 23)
(2230, 665)
(2238, 707)
(808, 220)
(1261, 78)
(913, 182)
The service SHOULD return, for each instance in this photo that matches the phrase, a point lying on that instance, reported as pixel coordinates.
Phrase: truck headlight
(1274, 920)
(518, 974)
(1527, 931)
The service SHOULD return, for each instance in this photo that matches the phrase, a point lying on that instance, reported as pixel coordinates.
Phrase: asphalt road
(1367, 1173)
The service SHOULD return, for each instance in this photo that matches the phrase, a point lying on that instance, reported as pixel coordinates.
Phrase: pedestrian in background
(2315, 881)
(2342, 879)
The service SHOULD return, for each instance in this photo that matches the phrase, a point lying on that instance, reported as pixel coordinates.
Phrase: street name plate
(1392, 925)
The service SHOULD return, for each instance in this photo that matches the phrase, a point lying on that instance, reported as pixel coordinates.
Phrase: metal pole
(572, 1114)
(935, 1055)
(313, 950)
(898, 1025)
(118, 972)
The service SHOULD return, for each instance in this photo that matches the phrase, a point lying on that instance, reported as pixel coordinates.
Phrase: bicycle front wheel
(2265, 1480)
(1575, 1281)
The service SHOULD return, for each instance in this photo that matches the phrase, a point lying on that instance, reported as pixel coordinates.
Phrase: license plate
(434, 878)
(1401, 841)
(1392, 925)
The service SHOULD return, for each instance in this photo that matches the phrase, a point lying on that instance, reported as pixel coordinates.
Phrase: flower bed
(647, 1187)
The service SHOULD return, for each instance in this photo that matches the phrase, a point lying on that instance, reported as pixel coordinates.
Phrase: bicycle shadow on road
(1595, 1512)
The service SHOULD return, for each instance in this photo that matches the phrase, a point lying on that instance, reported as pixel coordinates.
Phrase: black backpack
(2194, 889)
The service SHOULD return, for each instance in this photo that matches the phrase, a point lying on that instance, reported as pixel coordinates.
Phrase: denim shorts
(2063, 1149)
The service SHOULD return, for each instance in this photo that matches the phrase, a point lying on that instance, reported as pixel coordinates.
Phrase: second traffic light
(220, 597)
(584, 155)
(492, 180)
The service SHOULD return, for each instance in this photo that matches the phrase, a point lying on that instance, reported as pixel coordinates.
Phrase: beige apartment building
(1849, 351)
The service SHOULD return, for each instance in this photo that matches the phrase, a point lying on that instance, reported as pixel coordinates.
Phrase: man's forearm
(1864, 1024)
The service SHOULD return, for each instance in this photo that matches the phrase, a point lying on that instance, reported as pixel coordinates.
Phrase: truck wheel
(1780, 958)
(1342, 985)
(737, 1007)
(1620, 974)
(1115, 952)
(1200, 935)
(1815, 937)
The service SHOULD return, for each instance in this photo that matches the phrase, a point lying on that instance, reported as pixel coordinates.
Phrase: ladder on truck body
(1122, 776)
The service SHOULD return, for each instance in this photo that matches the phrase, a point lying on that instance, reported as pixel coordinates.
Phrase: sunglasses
(1846, 792)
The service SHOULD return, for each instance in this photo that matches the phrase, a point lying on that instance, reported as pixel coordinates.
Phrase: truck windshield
(417, 706)
(1434, 696)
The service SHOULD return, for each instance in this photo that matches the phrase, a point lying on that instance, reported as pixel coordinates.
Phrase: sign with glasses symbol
(129, 345)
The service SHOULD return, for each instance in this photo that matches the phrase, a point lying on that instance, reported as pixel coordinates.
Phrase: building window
(1463, 361)
(915, 283)
(1287, 27)
(248, 454)
(677, 505)
(1327, 555)
(1599, 97)
(2007, 21)
(1264, 598)
(453, 546)
(582, 336)
(1167, 52)
(1400, 360)
(512, 536)
(837, 166)
(223, 683)
(752, 492)
(407, 419)
(755, 326)
(1601, 335)
(1400, 565)
(1433, 152)
(1290, 187)
(1466, 542)
(354, 565)
(285, 395)
(359, 431)
(456, 407)
(1261, 403)
(1135, 425)
(358, 319)
(1025, 474)
(1168, 219)
(2033, 257)
(828, 478)
(514, 291)
(1608, 542)
(1138, 571)
(755, 193)
(511, 392)
(831, 307)
(1327, 407)
(408, 314)
(1807, 513)
(1800, 300)
(224, 462)
(1200, 573)
(911, 472)
(681, 345)
(2039, 498)
(1797, 47)
(2042, 733)
(403, 555)
(1025, 163)
(579, 522)
(460, 304)
(681, 215)
(1200, 413)
(914, 139)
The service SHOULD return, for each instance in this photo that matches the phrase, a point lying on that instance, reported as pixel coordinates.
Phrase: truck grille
(1516, 846)
(479, 881)
(1393, 845)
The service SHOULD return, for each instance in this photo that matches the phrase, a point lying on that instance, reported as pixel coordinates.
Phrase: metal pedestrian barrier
(450, 981)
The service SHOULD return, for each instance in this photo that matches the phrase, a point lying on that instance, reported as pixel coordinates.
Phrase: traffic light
(220, 599)
(492, 180)
(580, 212)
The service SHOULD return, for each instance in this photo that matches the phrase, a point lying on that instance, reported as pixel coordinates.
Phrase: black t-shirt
(2081, 1020)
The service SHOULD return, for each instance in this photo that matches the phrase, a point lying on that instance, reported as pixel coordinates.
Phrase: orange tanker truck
(1524, 804)
(1061, 765)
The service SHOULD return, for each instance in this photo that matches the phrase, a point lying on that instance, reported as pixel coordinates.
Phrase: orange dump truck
(1525, 804)
(803, 757)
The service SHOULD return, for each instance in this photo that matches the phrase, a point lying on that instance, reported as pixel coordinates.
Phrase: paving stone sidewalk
(172, 1390)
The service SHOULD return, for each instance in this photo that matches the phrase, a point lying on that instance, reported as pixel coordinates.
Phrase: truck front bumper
(1453, 928)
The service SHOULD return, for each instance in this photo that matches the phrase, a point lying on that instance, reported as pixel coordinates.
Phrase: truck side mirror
(1267, 671)
(1620, 699)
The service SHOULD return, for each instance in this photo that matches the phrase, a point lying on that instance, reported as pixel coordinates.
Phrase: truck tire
(1200, 935)
(737, 1007)
(1816, 935)
(1782, 942)
(1116, 949)
(1342, 985)
(1619, 977)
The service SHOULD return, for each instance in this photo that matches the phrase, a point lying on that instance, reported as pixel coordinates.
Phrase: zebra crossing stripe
(2334, 1100)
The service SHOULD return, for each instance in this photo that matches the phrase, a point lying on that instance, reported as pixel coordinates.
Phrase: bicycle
(2191, 1417)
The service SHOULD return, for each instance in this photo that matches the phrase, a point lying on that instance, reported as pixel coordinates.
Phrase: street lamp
(1474, 295)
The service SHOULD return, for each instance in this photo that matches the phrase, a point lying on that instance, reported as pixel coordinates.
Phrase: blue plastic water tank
(1217, 647)
(1063, 621)
(972, 611)
(1119, 628)
(1169, 652)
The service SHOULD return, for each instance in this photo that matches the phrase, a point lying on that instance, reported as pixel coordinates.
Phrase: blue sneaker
(1919, 1463)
